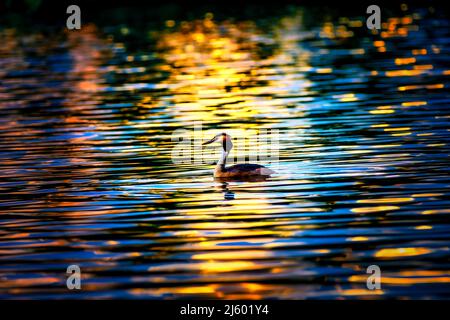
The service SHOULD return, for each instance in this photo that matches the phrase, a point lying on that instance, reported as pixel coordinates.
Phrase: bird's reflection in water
(225, 184)
(224, 187)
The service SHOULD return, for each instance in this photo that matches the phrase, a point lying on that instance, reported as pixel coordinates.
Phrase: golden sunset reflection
(210, 68)
(401, 252)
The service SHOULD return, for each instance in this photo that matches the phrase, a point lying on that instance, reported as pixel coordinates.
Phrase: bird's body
(238, 171)
(241, 170)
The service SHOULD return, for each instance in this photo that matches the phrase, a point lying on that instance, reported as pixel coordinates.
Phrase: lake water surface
(87, 121)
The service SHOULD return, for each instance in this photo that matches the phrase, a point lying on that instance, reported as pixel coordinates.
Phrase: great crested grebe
(237, 171)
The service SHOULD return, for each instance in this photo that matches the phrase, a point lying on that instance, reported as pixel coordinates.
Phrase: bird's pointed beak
(210, 141)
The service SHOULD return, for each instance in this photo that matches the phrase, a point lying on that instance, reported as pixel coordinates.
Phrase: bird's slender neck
(220, 167)
(226, 148)
(223, 158)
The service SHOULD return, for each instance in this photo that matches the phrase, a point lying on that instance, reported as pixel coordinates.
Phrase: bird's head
(224, 140)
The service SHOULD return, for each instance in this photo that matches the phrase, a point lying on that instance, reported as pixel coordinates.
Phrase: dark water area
(87, 177)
